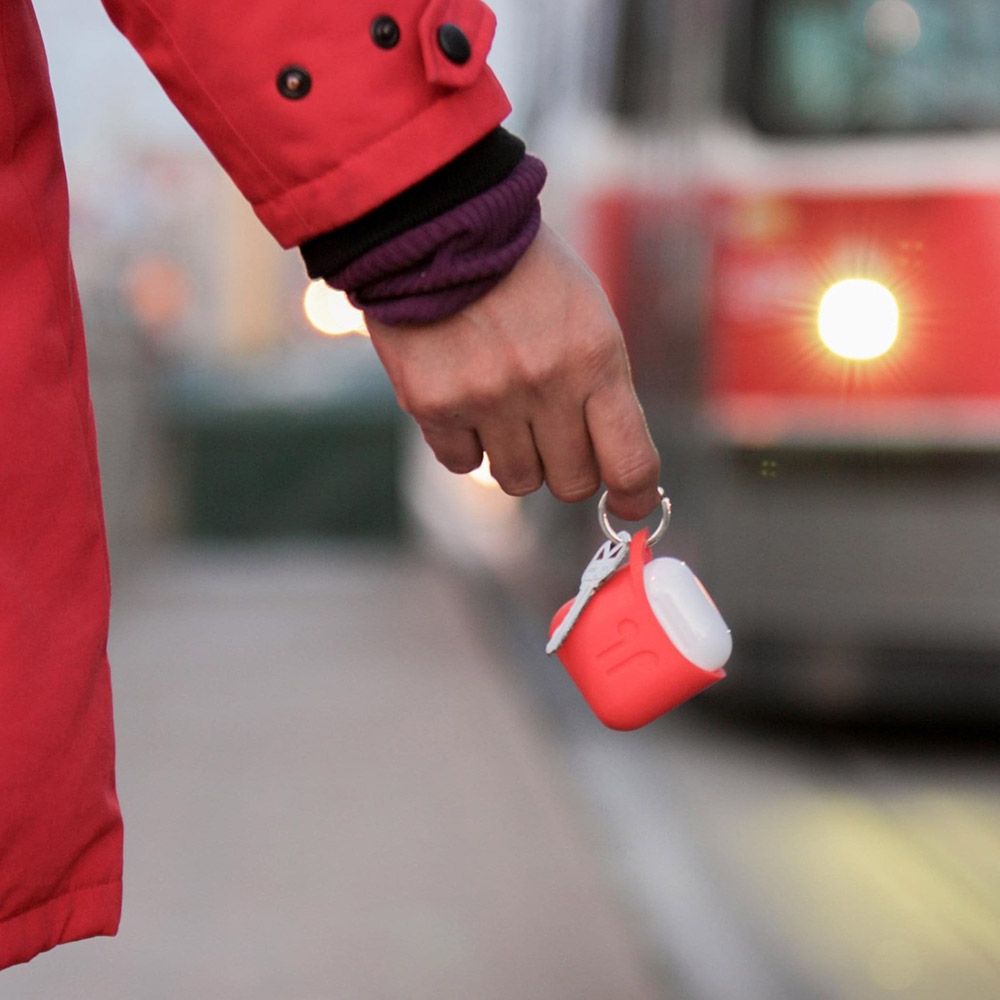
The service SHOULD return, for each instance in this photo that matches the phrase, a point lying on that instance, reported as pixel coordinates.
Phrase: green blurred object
(301, 449)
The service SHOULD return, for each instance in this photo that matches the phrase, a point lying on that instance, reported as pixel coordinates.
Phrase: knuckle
(434, 410)
(537, 375)
(522, 489)
(634, 477)
(575, 492)
(518, 483)
(452, 451)
(460, 466)
(601, 353)
(486, 395)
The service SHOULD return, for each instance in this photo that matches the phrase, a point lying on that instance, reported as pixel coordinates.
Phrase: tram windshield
(843, 66)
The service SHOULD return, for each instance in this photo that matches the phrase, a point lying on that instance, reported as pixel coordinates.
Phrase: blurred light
(483, 476)
(331, 312)
(157, 292)
(892, 27)
(858, 319)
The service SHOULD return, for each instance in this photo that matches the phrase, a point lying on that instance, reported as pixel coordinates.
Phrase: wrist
(434, 270)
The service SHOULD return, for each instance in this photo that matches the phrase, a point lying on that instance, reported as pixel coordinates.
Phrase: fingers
(457, 449)
(514, 459)
(567, 455)
(626, 456)
(571, 448)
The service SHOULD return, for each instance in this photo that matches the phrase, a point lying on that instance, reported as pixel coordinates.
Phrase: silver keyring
(602, 513)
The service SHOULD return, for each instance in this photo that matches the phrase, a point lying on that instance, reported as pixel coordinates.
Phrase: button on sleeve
(455, 39)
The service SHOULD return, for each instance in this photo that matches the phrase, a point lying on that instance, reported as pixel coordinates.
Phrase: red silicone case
(617, 653)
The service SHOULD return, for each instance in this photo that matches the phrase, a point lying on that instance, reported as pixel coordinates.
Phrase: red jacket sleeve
(322, 111)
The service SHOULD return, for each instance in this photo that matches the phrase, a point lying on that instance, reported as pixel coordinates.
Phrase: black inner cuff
(479, 168)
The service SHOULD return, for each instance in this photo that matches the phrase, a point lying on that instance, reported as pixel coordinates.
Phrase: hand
(535, 373)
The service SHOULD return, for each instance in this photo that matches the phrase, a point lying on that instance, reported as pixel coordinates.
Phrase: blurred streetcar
(795, 208)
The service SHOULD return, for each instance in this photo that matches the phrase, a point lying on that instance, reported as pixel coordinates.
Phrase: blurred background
(347, 768)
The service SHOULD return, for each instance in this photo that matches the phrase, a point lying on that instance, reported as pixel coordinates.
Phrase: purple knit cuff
(435, 269)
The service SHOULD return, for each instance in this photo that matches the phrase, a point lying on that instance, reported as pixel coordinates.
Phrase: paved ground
(814, 863)
(334, 790)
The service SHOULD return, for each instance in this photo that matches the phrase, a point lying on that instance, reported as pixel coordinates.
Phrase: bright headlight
(858, 319)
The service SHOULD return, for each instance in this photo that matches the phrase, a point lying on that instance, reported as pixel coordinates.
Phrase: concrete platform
(334, 790)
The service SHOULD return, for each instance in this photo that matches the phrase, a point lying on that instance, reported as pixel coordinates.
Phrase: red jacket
(319, 112)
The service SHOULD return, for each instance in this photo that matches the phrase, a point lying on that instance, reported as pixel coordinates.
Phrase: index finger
(626, 456)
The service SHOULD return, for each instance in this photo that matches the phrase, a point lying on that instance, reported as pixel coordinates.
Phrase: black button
(294, 82)
(385, 32)
(454, 44)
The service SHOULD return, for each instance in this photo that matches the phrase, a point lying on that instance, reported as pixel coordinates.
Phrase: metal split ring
(602, 514)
